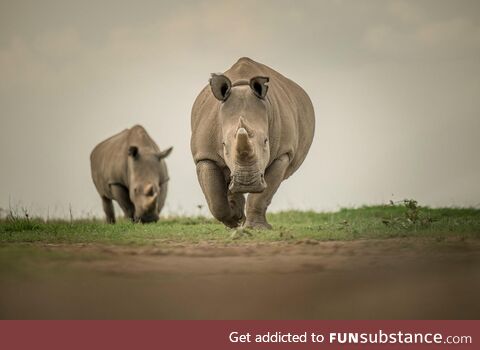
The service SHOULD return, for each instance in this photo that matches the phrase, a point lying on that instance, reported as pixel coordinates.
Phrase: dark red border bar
(83, 335)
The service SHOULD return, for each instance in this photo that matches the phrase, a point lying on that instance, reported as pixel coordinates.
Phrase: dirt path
(398, 278)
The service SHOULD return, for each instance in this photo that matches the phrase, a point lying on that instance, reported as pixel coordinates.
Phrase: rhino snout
(247, 184)
(146, 209)
(145, 219)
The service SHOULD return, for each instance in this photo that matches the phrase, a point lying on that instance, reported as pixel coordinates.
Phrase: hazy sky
(395, 86)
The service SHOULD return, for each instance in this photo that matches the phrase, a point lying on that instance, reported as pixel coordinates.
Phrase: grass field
(392, 261)
(389, 221)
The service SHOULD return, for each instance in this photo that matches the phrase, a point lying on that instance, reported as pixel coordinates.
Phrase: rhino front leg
(108, 209)
(214, 187)
(237, 205)
(257, 203)
(120, 194)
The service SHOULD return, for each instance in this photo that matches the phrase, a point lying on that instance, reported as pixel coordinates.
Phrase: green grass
(376, 222)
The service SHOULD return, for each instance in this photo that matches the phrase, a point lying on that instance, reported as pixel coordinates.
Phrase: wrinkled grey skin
(251, 129)
(130, 169)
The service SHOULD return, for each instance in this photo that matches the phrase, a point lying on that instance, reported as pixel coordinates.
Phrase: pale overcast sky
(395, 86)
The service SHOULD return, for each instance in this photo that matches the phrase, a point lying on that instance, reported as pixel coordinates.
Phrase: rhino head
(145, 182)
(244, 121)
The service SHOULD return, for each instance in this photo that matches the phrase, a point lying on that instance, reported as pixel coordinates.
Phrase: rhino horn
(244, 146)
(149, 190)
(151, 201)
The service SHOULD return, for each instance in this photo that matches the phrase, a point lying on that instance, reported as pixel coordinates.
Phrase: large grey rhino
(251, 129)
(130, 169)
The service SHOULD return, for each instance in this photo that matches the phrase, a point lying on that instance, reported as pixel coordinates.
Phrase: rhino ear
(165, 153)
(259, 86)
(220, 86)
(133, 151)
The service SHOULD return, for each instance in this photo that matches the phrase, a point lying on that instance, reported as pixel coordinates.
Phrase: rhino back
(108, 161)
(291, 117)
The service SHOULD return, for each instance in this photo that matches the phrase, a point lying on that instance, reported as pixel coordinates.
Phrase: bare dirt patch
(396, 278)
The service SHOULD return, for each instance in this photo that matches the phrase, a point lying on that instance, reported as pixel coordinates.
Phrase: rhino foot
(257, 225)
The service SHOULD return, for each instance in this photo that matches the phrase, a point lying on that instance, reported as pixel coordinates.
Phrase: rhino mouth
(241, 183)
(145, 219)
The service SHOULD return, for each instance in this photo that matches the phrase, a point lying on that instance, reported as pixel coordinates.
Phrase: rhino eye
(266, 141)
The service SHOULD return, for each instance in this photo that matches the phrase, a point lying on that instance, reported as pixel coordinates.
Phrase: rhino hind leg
(257, 203)
(108, 209)
(120, 194)
(214, 187)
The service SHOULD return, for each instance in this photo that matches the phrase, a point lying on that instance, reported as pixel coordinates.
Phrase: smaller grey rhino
(130, 169)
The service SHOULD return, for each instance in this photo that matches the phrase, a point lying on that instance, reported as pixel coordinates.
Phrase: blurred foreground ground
(409, 278)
